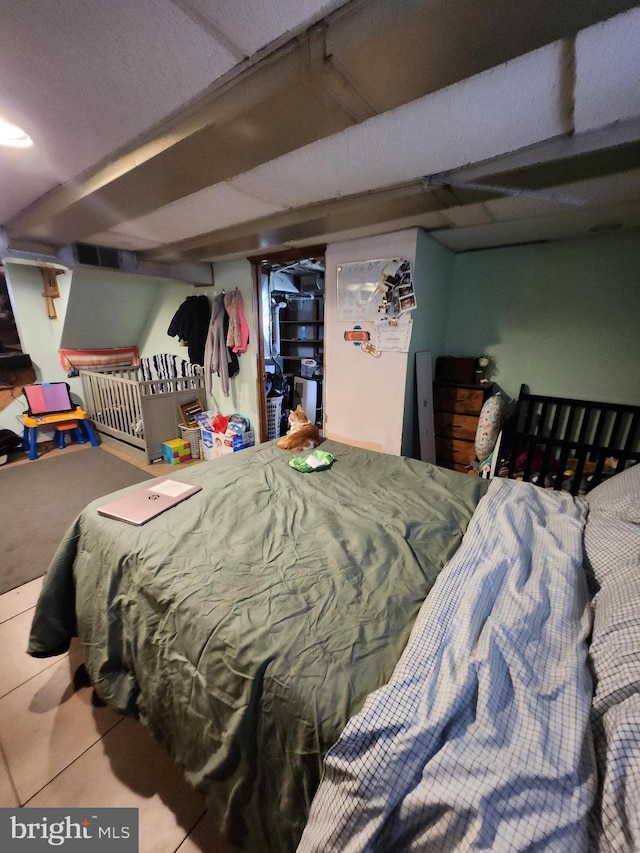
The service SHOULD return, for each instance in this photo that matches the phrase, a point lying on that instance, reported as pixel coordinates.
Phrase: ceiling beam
(620, 137)
(367, 57)
(307, 223)
(531, 172)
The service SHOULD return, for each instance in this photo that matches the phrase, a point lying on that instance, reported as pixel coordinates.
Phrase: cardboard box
(216, 444)
(176, 450)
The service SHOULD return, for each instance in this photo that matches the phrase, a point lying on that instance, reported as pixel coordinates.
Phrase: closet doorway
(291, 289)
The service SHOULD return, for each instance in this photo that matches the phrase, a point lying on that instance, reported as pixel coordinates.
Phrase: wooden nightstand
(456, 411)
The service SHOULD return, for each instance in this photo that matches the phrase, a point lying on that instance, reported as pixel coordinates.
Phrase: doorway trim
(282, 257)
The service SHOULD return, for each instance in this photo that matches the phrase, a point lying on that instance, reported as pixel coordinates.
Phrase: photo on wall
(375, 290)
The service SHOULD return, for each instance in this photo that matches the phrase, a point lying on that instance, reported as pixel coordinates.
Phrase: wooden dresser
(456, 409)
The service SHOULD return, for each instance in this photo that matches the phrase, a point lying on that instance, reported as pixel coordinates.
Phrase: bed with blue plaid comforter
(481, 738)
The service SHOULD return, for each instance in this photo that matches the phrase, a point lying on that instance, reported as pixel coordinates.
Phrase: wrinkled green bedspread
(246, 625)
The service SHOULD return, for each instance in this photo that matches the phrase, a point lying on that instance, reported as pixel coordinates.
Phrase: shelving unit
(302, 336)
(300, 340)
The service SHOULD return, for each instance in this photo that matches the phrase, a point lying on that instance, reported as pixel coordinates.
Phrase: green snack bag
(316, 461)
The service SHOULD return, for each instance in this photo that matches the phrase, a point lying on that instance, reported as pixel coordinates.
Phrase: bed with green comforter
(245, 626)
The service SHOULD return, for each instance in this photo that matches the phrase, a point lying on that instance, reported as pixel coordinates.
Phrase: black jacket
(190, 323)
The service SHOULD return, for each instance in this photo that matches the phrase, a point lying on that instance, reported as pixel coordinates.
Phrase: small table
(32, 422)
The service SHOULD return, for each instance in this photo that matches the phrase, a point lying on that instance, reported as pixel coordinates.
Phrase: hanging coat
(238, 334)
(218, 358)
(190, 323)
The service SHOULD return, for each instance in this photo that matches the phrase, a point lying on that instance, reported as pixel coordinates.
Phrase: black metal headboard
(568, 444)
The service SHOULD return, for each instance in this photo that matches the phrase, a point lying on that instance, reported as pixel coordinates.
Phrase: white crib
(139, 411)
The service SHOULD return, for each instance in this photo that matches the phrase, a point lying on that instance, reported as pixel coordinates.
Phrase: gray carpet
(40, 499)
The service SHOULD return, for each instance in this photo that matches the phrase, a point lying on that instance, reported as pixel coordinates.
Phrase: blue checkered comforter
(481, 739)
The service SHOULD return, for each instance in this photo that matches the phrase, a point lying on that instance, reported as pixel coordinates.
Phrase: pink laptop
(144, 504)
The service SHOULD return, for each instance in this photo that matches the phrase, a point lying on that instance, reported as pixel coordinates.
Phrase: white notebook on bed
(144, 504)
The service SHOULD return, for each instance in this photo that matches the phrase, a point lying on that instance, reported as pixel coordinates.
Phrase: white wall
(364, 397)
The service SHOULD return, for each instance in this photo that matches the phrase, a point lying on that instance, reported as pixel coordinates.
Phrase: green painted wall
(104, 308)
(154, 339)
(243, 395)
(40, 335)
(108, 309)
(563, 318)
(169, 297)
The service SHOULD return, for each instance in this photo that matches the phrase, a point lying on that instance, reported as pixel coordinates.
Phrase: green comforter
(246, 625)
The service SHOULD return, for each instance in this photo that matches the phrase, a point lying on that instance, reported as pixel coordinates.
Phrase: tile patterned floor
(58, 749)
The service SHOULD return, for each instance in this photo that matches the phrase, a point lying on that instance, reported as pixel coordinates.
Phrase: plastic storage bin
(193, 436)
(274, 413)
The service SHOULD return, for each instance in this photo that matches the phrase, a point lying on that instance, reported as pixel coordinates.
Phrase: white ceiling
(202, 130)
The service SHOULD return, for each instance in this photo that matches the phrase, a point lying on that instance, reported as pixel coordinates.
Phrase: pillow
(619, 496)
(617, 749)
(615, 640)
(488, 426)
(608, 545)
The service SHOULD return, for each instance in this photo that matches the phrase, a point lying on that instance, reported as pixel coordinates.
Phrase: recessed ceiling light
(13, 136)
